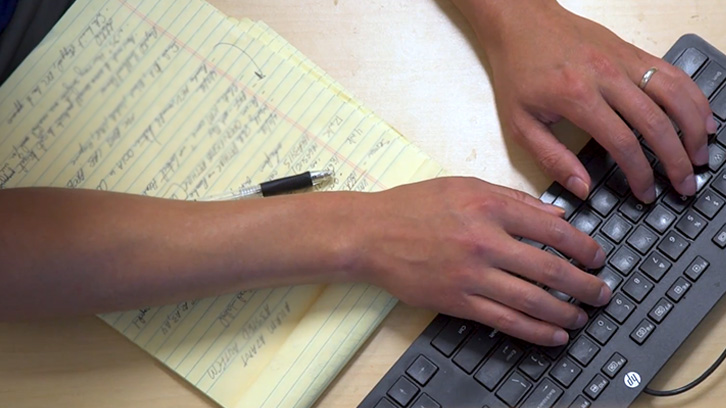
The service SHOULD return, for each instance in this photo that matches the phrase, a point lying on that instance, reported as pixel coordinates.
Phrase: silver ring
(646, 77)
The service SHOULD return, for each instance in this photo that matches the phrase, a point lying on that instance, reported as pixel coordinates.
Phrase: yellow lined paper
(176, 100)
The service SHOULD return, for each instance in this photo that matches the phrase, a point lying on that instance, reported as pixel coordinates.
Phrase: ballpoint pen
(277, 186)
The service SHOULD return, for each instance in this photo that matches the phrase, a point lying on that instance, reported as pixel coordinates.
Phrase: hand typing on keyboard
(548, 63)
(464, 261)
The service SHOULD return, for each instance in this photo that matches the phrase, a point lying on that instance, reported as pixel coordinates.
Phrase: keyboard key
(451, 336)
(384, 403)
(403, 391)
(638, 287)
(718, 105)
(720, 237)
(478, 346)
(618, 183)
(586, 221)
(710, 78)
(673, 245)
(633, 209)
(583, 350)
(514, 389)
(703, 175)
(602, 329)
(620, 308)
(606, 246)
(610, 278)
(696, 268)
(678, 289)
(655, 266)
(690, 61)
(544, 396)
(603, 201)
(534, 365)
(580, 402)
(532, 243)
(568, 202)
(642, 331)
(678, 202)
(660, 218)
(614, 365)
(716, 157)
(499, 364)
(425, 401)
(422, 370)
(660, 310)
(642, 239)
(719, 183)
(596, 386)
(691, 224)
(565, 372)
(709, 203)
(624, 260)
(616, 228)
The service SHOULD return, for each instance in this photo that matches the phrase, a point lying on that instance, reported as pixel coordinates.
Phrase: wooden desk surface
(416, 64)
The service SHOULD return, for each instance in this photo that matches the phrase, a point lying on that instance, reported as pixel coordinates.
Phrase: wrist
(494, 20)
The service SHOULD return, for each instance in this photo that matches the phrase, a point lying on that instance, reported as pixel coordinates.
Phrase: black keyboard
(665, 265)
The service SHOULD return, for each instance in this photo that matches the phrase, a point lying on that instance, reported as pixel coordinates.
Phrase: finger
(657, 130)
(525, 198)
(524, 221)
(598, 119)
(696, 95)
(554, 272)
(672, 89)
(527, 298)
(514, 323)
(554, 158)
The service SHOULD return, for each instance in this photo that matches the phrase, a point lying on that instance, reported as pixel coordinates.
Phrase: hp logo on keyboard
(632, 379)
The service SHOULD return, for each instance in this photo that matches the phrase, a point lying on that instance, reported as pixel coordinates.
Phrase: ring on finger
(646, 77)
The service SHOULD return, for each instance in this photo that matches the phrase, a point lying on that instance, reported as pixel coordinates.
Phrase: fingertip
(605, 294)
(578, 187)
(711, 125)
(560, 337)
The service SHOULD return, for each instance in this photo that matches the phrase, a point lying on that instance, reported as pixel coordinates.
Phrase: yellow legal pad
(174, 99)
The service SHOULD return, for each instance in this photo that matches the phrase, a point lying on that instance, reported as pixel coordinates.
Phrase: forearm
(81, 251)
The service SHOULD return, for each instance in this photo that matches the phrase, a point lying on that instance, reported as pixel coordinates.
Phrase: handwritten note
(176, 100)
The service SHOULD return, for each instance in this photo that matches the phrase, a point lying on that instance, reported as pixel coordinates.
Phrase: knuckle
(559, 232)
(553, 271)
(549, 160)
(530, 301)
(625, 144)
(505, 321)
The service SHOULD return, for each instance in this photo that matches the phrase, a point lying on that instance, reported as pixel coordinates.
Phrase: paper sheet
(175, 99)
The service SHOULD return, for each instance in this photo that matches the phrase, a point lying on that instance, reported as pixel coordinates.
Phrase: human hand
(550, 64)
(449, 245)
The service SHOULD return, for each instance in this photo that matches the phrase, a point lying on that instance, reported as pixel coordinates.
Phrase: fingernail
(555, 210)
(581, 319)
(688, 185)
(599, 257)
(649, 195)
(578, 187)
(560, 337)
(701, 156)
(711, 125)
(604, 297)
